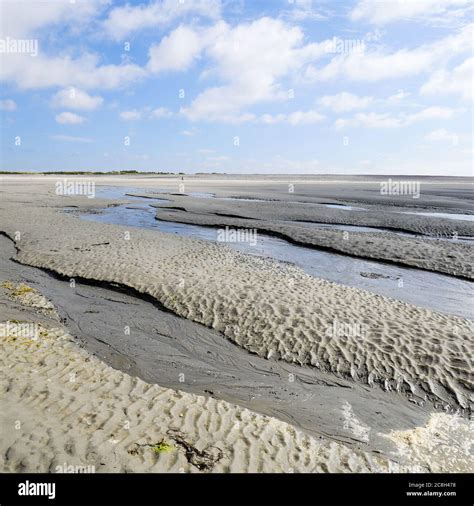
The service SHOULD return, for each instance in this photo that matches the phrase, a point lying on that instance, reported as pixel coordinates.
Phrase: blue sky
(347, 87)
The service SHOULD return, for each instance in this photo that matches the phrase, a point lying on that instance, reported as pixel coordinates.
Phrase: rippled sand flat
(62, 406)
(268, 308)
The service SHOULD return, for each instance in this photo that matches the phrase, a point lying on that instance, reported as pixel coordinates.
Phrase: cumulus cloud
(221, 158)
(249, 59)
(442, 135)
(161, 112)
(189, 133)
(69, 118)
(302, 10)
(7, 105)
(146, 112)
(86, 71)
(51, 71)
(388, 120)
(304, 117)
(125, 20)
(458, 81)
(381, 13)
(132, 115)
(27, 17)
(433, 112)
(72, 98)
(375, 64)
(399, 96)
(294, 118)
(176, 51)
(344, 102)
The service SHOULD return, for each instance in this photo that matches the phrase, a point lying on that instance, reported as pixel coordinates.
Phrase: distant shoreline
(329, 177)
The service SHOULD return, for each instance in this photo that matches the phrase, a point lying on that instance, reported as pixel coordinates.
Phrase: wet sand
(161, 345)
(413, 363)
(435, 291)
(287, 221)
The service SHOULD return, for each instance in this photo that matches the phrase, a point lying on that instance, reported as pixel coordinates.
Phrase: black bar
(239, 489)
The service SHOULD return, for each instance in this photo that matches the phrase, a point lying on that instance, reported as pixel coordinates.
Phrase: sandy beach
(217, 360)
(236, 252)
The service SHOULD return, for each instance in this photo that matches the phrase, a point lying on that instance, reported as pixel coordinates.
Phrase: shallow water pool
(427, 289)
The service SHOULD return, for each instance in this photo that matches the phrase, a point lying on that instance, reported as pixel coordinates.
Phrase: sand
(177, 353)
(66, 411)
(269, 309)
(450, 257)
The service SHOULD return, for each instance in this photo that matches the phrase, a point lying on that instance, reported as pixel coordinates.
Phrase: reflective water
(450, 216)
(415, 286)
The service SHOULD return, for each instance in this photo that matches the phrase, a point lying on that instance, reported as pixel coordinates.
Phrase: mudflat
(373, 379)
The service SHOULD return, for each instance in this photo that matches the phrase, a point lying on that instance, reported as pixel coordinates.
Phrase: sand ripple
(62, 407)
(267, 307)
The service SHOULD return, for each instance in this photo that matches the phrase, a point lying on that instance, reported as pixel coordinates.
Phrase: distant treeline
(13, 172)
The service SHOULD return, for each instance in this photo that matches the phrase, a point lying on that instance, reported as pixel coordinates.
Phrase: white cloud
(250, 59)
(26, 17)
(370, 66)
(387, 120)
(459, 81)
(85, 72)
(433, 112)
(132, 115)
(29, 18)
(70, 138)
(387, 11)
(189, 133)
(7, 105)
(73, 98)
(294, 118)
(125, 20)
(442, 135)
(69, 118)
(221, 158)
(161, 112)
(304, 117)
(397, 97)
(345, 102)
(176, 51)
(146, 112)
(220, 104)
(303, 10)
(370, 120)
(271, 119)
(374, 65)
